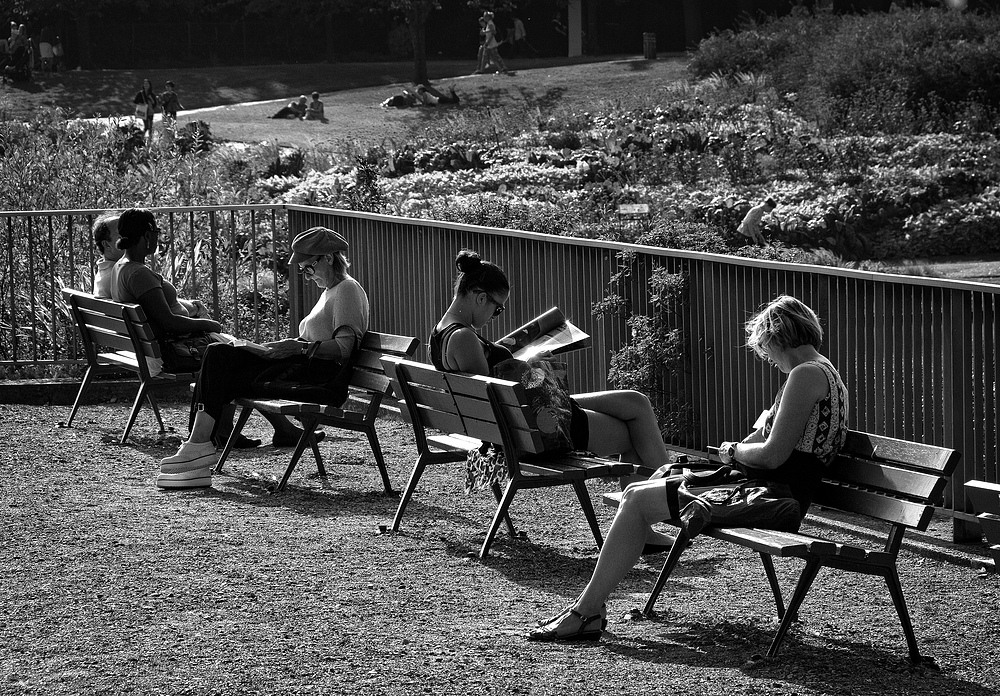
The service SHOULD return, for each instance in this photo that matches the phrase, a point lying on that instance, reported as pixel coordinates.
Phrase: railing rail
(918, 354)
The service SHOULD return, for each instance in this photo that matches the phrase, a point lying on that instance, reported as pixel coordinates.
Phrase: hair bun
(468, 261)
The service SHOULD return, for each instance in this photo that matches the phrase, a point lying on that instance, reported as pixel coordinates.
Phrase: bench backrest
(893, 480)
(106, 323)
(369, 374)
(485, 408)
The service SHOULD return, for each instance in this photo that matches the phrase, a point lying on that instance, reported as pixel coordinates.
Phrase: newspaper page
(549, 332)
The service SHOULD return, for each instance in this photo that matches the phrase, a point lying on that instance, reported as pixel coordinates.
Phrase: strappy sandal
(581, 633)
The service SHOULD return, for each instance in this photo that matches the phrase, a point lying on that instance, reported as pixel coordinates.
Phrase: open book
(550, 331)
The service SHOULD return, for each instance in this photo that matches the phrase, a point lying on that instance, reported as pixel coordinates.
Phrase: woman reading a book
(777, 467)
(329, 333)
(607, 423)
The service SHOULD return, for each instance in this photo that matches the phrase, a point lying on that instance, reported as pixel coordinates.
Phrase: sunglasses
(310, 268)
(500, 309)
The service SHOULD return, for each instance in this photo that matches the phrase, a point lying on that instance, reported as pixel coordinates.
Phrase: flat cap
(316, 241)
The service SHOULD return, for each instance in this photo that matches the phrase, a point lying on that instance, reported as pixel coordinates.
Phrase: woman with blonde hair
(803, 431)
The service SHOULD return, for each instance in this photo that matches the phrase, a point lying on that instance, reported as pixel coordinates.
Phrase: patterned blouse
(827, 428)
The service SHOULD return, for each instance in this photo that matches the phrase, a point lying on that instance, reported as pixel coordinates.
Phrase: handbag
(485, 466)
(314, 380)
(142, 111)
(546, 385)
(185, 353)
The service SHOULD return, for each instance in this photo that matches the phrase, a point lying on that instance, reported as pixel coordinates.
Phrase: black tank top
(494, 354)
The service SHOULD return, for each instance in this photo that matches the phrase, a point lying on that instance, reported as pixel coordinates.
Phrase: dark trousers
(228, 372)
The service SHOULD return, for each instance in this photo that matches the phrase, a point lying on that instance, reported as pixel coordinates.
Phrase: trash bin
(649, 46)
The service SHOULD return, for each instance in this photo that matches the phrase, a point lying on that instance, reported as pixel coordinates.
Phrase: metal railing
(918, 355)
(223, 256)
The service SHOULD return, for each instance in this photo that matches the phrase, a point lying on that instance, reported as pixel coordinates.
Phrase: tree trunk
(83, 40)
(417, 19)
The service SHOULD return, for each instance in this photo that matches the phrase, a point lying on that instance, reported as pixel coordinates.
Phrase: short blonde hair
(785, 322)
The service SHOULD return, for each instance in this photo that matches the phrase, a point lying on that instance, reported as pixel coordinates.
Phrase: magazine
(549, 332)
(238, 342)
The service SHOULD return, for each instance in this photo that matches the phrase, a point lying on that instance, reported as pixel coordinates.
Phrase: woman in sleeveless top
(804, 430)
(619, 422)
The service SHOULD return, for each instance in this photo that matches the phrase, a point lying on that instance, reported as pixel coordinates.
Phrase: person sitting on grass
(314, 111)
(781, 463)
(294, 109)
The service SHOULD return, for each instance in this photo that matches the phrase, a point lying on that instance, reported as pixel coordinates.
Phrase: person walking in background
(57, 55)
(518, 38)
(45, 50)
(170, 104)
(481, 59)
(490, 53)
(750, 227)
(145, 101)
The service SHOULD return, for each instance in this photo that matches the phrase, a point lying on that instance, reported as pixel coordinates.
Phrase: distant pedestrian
(57, 55)
(170, 104)
(518, 38)
(491, 56)
(145, 107)
(750, 227)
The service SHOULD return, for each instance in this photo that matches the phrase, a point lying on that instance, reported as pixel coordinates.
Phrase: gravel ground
(109, 586)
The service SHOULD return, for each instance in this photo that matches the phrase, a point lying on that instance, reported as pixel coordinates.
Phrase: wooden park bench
(890, 480)
(117, 337)
(467, 410)
(985, 499)
(369, 385)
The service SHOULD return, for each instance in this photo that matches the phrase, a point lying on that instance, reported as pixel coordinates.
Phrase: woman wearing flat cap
(330, 331)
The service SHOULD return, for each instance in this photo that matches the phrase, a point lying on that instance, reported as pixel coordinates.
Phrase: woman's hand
(285, 348)
(727, 452)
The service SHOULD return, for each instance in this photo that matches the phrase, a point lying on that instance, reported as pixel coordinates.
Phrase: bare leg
(643, 504)
(622, 422)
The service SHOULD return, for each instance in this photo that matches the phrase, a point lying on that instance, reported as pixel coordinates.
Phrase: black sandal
(552, 634)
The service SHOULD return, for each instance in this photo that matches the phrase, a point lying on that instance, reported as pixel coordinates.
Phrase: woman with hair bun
(618, 422)
(782, 463)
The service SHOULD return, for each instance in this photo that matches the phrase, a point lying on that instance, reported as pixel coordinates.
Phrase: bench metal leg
(588, 510)
(801, 589)
(896, 591)
(379, 459)
(156, 410)
(136, 405)
(88, 377)
(676, 549)
(498, 494)
(237, 429)
(772, 579)
(300, 447)
(411, 486)
(498, 516)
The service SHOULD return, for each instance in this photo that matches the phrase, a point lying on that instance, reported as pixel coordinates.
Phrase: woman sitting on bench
(804, 429)
(618, 422)
(330, 331)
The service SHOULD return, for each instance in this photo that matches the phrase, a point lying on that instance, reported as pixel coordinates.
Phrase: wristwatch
(729, 453)
(305, 348)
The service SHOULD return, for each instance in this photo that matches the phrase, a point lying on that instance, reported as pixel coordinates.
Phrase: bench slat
(914, 455)
(882, 507)
(453, 442)
(923, 486)
(106, 322)
(437, 400)
(389, 344)
(440, 420)
(368, 381)
(985, 496)
(96, 304)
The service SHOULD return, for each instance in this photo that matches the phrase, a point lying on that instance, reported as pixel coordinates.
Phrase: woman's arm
(806, 385)
(154, 304)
